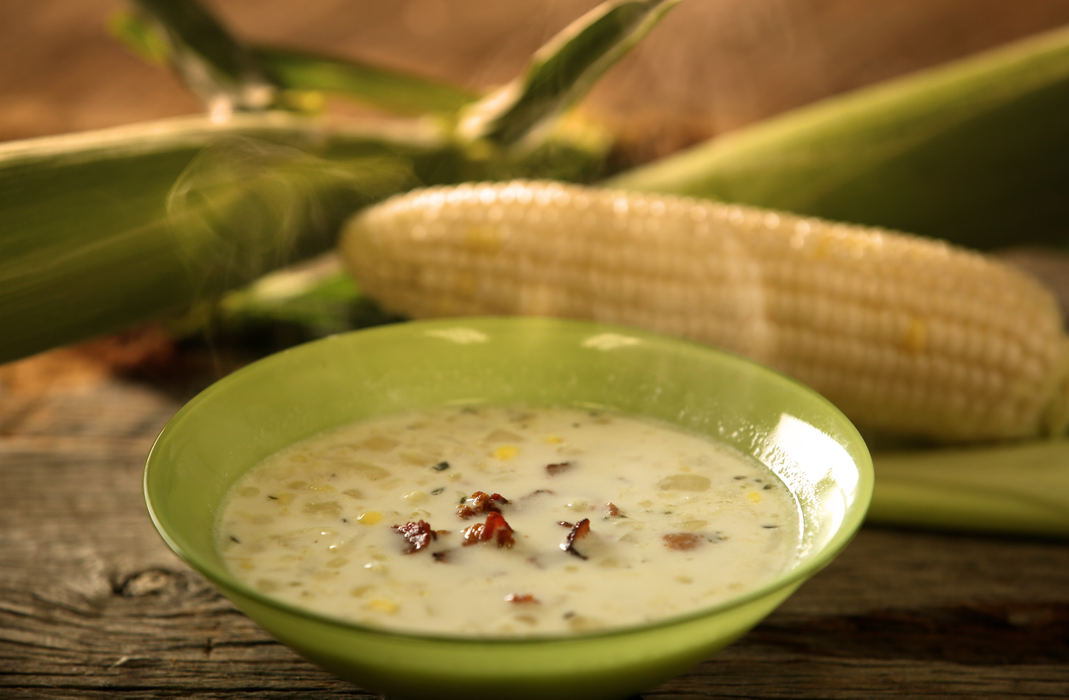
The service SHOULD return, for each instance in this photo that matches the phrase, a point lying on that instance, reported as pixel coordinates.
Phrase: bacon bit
(614, 512)
(480, 502)
(418, 535)
(521, 598)
(682, 541)
(578, 530)
(441, 556)
(557, 468)
(495, 528)
(473, 533)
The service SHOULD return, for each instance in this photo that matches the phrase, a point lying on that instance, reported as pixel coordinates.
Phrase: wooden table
(92, 603)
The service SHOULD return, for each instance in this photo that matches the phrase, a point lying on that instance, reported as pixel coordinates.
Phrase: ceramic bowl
(286, 397)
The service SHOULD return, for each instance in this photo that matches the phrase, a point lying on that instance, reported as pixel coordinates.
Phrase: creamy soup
(507, 521)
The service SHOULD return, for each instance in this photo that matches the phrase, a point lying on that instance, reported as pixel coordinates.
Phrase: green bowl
(257, 410)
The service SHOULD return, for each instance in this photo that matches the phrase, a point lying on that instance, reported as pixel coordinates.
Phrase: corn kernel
(506, 452)
(915, 337)
(382, 605)
(485, 239)
(369, 517)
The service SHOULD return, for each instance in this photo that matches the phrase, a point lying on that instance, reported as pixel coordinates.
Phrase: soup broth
(507, 521)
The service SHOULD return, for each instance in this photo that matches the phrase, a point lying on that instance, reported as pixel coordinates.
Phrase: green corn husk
(391, 90)
(1018, 488)
(562, 70)
(293, 305)
(302, 72)
(105, 229)
(212, 62)
(309, 300)
(108, 228)
(975, 152)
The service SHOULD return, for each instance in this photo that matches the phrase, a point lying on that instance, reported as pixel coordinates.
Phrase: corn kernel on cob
(907, 336)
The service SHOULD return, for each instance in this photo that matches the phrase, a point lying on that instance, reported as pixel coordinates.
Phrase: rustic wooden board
(92, 603)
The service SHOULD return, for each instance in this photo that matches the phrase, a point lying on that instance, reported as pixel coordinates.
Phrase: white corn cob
(906, 335)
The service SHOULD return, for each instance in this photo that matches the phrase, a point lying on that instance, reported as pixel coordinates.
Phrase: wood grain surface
(92, 603)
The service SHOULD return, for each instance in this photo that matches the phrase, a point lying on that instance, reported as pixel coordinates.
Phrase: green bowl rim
(796, 574)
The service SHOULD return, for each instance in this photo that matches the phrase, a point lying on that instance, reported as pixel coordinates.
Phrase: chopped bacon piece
(473, 534)
(580, 529)
(682, 541)
(520, 598)
(417, 535)
(494, 529)
(481, 502)
(557, 468)
(614, 511)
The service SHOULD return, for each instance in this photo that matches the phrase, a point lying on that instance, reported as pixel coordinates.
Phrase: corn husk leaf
(387, 89)
(305, 77)
(141, 35)
(1015, 488)
(211, 61)
(302, 302)
(975, 152)
(107, 228)
(563, 70)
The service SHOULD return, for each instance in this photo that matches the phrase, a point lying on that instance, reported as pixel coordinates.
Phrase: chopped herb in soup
(507, 521)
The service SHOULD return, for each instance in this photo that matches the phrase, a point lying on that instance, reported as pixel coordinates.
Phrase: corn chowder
(506, 521)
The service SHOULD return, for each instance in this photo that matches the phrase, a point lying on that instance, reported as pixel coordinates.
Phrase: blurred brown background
(712, 65)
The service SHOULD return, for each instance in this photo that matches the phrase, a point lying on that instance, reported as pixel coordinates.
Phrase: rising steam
(244, 207)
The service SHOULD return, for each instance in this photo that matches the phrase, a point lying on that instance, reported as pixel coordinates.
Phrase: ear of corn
(975, 152)
(906, 335)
